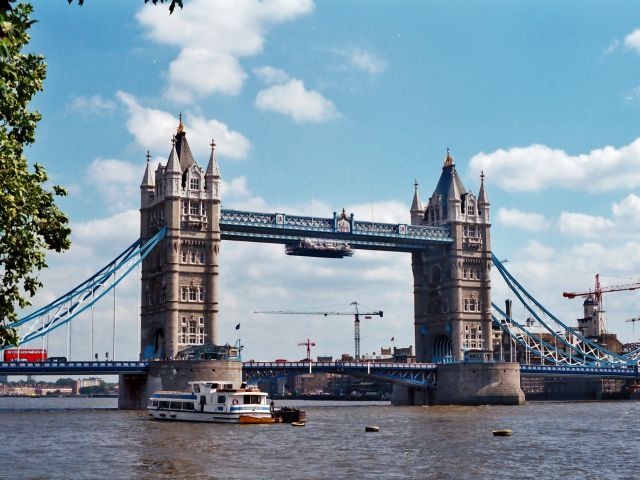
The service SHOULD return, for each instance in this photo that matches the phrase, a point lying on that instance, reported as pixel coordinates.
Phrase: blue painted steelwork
(288, 229)
(76, 368)
(580, 347)
(412, 374)
(573, 371)
(83, 296)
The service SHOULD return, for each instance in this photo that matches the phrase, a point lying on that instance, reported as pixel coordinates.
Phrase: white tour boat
(213, 401)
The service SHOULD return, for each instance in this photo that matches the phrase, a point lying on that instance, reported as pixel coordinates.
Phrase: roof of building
(447, 177)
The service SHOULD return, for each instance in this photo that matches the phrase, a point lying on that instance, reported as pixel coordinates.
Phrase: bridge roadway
(407, 373)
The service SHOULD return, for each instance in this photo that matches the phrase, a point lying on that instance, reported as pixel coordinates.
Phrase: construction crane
(633, 322)
(356, 320)
(599, 290)
(308, 344)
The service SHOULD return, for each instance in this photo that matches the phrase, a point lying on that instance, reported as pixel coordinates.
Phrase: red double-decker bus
(25, 355)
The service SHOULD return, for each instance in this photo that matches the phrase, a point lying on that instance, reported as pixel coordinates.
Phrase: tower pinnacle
(180, 125)
(448, 161)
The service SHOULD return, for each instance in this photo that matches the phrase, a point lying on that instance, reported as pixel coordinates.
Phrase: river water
(88, 438)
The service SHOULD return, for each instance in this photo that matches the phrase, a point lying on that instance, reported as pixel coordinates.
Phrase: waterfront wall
(135, 389)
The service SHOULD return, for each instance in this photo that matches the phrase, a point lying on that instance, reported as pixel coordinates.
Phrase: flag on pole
(238, 327)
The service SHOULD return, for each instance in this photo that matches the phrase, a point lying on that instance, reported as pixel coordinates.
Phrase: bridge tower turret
(452, 286)
(179, 300)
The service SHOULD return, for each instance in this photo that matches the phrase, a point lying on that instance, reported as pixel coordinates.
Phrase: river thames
(88, 438)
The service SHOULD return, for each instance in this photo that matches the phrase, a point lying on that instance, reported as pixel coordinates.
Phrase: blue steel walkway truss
(411, 374)
(288, 229)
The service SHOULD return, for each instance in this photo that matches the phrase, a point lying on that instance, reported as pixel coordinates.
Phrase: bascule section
(452, 286)
(179, 298)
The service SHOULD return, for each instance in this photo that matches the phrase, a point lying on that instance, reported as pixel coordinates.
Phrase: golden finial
(180, 125)
(213, 144)
(449, 160)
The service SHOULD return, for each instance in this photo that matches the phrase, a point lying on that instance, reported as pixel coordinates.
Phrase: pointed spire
(483, 199)
(148, 179)
(448, 161)
(416, 206)
(180, 125)
(212, 167)
(173, 165)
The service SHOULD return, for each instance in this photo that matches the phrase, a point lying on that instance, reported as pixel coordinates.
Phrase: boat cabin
(212, 397)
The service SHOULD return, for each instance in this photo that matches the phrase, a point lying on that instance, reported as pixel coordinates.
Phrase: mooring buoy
(502, 433)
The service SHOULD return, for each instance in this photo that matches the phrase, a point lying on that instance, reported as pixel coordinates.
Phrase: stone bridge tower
(179, 298)
(452, 286)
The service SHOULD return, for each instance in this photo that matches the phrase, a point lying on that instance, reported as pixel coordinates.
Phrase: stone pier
(467, 384)
(135, 389)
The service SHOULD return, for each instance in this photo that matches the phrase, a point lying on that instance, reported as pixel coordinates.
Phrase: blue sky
(319, 106)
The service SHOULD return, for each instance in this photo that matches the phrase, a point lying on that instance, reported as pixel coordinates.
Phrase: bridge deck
(401, 371)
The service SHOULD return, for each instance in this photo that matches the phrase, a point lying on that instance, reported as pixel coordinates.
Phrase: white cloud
(582, 225)
(537, 167)
(94, 105)
(292, 98)
(613, 46)
(632, 95)
(213, 35)
(116, 181)
(271, 75)
(512, 217)
(627, 212)
(632, 41)
(623, 223)
(366, 61)
(153, 128)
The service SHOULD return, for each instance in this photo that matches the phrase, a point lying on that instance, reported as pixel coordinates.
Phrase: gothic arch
(442, 349)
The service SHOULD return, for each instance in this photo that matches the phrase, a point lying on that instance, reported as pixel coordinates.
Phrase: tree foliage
(172, 5)
(30, 221)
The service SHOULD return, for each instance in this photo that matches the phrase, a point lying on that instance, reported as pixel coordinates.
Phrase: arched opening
(442, 349)
(158, 344)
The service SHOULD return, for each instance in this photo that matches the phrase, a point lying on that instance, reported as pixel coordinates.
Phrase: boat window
(176, 405)
(154, 403)
(188, 406)
(164, 404)
(196, 388)
(252, 399)
(214, 385)
(209, 385)
(228, 385)
(222, 399)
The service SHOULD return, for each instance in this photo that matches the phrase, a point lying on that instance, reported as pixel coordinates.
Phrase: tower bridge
(456, 325)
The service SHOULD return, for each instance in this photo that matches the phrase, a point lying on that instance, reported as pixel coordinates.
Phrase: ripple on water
(550, 440)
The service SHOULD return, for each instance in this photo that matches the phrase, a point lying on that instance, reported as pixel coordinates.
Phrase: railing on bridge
(282, 228)
(73, 367)
(415, 374)
(579, 371)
